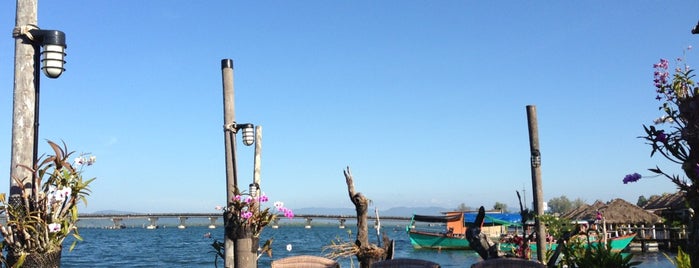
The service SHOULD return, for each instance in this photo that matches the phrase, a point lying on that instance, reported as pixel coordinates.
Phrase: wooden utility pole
(536, 183)
(258, 160)
(24, 101)
(231, 167)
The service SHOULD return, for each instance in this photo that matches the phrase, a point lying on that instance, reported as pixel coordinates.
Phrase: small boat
(617, 244)
(453, 236)
(494, 226)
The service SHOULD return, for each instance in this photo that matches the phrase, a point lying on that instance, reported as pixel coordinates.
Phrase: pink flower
(246, 214)
(263, 198)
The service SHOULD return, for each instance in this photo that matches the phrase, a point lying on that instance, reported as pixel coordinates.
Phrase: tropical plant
(675, 136)
(681, 260)
(247, 218)
(595, 256)
(48, 212)
(248, 215)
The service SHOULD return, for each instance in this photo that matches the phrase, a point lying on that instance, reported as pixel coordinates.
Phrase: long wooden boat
(617, 244)
(453, 234)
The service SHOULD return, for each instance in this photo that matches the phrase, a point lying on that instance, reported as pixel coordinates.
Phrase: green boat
(617, 243)
(452, 234)
(449, 231)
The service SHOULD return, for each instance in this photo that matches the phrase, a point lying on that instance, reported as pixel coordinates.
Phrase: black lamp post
(51, 60)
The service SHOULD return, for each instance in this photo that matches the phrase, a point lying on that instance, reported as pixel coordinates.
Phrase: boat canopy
(424, 218)
(506, 219)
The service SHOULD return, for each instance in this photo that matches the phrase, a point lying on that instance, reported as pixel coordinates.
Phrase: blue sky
(424, 100)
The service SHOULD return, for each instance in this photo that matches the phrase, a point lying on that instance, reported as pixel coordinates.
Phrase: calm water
(172, 247)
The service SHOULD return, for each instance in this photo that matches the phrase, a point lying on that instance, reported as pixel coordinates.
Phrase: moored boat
(617, 244)
(453, 226)
(453, 234)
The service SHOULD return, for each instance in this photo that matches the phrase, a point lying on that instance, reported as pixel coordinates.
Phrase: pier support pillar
(275, 223)
(212, 221)
(342, 223)
(182, 220)
(153, 223)
(308, 223)
(117, 223)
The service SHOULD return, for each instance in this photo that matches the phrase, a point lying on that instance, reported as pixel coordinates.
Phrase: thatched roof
(616, 211)
(581, 212)
(674, 201)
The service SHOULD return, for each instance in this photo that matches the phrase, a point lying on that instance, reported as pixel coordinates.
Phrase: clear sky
(424, 100)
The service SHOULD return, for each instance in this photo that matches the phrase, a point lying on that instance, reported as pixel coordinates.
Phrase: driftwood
(368, 253)
(480, 242)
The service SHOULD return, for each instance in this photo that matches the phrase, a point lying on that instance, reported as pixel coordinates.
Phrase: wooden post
(24, 102)
(536, 182)
(231, 172)
(258, 159)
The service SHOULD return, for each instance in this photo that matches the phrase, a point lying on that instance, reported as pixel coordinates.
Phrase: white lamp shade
(248, 135)
(52, 60)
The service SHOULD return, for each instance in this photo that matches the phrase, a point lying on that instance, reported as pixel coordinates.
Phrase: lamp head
(248, 134)
(254, 187)
(53, 53)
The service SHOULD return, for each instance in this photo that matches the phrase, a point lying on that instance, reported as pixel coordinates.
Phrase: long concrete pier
(152, 218)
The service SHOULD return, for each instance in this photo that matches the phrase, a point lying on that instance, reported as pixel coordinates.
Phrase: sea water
(169, 246)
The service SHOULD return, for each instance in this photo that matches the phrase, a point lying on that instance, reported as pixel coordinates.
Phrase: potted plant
(246, 222)
(48, 212)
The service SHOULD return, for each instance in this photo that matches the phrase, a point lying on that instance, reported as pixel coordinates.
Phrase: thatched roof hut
(672, 207)
(674, 201)
(581, 213)
(616, 211)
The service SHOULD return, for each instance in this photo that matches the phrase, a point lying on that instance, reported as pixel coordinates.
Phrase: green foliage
(642, 201)
(578, 202)
(555, 226)
(560, 204)
(500, 206)
(48, 212)
(579, 251)
(681, 260)
(582, 254)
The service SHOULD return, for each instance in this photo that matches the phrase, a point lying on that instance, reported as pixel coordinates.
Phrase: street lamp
(248, 133)
(254, 187)
(53, 56)
(29, 41)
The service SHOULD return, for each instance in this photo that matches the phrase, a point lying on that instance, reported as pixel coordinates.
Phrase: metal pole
(536, 183)
(24, 102)
(231, 172)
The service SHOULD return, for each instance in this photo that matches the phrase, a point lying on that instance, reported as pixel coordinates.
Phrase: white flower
(54, 227)
(278, 204)
(78, 161)
(59, 195)
(91, 160)
(663, 119)
(219, 208)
